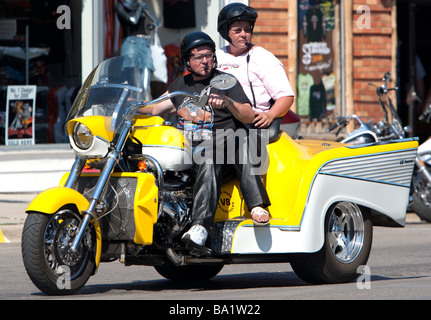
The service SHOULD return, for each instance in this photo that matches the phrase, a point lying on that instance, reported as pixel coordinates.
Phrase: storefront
(331, 50)
(51, 46)
(413, 65)
(40, 45)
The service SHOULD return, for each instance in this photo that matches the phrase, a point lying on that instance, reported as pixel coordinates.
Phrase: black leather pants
(209, 169)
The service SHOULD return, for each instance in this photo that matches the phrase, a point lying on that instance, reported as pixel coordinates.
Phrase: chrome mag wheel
(346, 231)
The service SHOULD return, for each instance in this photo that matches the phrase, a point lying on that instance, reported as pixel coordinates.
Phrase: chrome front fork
(113, 159)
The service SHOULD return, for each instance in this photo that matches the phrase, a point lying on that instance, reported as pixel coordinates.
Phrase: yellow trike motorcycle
(128, 197)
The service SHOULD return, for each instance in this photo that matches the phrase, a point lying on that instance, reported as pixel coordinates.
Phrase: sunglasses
(200, 57)
(238, 11)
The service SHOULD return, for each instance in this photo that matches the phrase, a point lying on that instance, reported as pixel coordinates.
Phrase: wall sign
(316, 75)
(20, 111)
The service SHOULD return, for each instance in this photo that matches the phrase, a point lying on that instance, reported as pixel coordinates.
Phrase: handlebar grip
(426, 114)
(341, 121)
(333, 126)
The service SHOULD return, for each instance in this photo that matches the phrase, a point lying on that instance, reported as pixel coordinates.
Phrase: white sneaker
(197, 235)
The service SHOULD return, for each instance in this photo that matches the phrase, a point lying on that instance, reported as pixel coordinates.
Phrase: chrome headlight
(82, 136)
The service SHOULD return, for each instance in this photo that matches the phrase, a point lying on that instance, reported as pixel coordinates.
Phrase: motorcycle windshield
(111, 90)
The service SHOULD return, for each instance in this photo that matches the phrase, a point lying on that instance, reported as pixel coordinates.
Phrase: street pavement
(12, 215)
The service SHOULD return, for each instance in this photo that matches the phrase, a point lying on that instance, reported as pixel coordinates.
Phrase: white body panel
(380, 182)
(389, 199)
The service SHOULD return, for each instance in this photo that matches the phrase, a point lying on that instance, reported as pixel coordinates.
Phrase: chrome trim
(162, 146)
(392, 167)
(280, 227)
(76, 170)
(356, 146)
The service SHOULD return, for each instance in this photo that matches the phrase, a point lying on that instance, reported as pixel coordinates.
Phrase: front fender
(52, 200)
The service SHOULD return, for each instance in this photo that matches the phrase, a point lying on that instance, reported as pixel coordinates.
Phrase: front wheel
(48, 260)
(348, 238)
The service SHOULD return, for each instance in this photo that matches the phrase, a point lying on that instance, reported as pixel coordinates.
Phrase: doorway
(413, 63)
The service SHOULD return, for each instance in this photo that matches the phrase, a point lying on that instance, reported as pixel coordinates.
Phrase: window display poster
(316, 75)
(20, 111)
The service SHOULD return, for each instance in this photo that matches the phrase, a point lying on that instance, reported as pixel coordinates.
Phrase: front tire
(348, 238)
(50, 264)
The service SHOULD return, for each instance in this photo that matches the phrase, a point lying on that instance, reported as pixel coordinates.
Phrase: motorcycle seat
(274, 129)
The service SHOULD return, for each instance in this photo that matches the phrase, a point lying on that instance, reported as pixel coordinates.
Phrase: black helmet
(194, 40)
(234, 12)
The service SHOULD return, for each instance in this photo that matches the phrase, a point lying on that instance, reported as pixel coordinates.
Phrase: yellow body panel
(145, 206)
(99, 126)
(49, 201)
(292, 169)
(150, 132)
(144, 120)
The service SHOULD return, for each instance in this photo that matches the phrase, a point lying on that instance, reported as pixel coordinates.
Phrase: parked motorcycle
(134, 201)
(291, 124)
(368, 130)
(421, 204)
(390, 128)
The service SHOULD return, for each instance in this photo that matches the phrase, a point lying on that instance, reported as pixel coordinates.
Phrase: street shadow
(220, 282)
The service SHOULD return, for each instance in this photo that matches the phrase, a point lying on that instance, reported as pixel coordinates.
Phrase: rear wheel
(348, 238)
(50, 264)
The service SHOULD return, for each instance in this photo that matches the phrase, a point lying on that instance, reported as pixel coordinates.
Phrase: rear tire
(348, 238)
(52, 267)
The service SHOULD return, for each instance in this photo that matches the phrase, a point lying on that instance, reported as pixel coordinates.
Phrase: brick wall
(373, 55)
(271, 30)
(373, 49)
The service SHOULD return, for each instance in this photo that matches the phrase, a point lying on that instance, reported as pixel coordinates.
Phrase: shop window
(34, 51)
(316, 77)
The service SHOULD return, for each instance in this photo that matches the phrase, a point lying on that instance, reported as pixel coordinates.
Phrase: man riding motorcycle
(229, 112)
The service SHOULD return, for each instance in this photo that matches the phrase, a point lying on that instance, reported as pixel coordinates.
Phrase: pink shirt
(265, 72)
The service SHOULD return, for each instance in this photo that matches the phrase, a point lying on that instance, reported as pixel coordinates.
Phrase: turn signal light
(142, 166)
